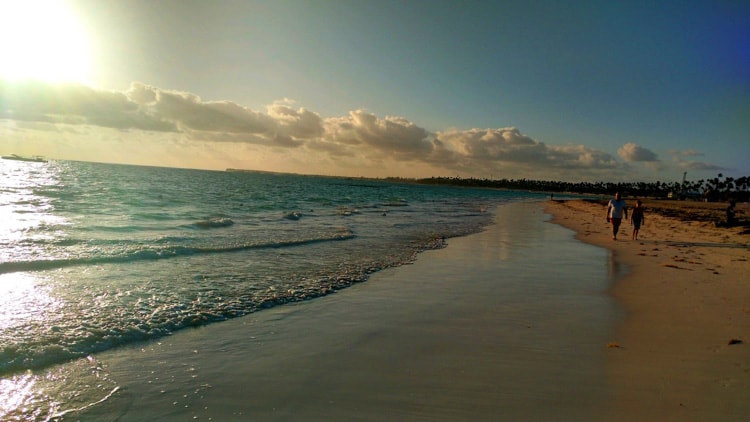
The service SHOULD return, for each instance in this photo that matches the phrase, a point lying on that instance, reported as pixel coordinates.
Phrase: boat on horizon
(35, 159)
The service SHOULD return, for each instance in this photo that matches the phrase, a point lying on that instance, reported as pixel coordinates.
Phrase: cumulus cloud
(631, 152)
(393, 136)
(75, 104)
(189, 112)
(301, 123)
(358, 137)
(509, 145)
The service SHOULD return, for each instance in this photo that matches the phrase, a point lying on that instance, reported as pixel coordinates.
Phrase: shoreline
(474, 331)
(539, 317)
(682, 352)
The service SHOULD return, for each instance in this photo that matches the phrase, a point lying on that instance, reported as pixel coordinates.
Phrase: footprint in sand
(675, 267)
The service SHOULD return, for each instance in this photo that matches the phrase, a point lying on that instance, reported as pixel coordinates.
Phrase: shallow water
(510, 323)
(98, 256)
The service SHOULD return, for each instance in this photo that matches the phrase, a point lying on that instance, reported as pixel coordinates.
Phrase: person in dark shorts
(616, 209)
(637, 218)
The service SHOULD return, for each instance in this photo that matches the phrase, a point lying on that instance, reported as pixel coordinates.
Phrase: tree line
(719, 188)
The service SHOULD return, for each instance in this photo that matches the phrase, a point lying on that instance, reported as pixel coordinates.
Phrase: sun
(43, 40)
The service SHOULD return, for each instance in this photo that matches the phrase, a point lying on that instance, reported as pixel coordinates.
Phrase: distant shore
(683, 349)
(715, 192)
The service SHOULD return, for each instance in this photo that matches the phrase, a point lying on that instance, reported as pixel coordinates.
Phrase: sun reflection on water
(64, 390)
(27, 201)
(21, 399)
(24, 297)
(32, 217)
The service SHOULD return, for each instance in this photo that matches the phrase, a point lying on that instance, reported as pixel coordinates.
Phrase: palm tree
(742, 183)
(729, 183)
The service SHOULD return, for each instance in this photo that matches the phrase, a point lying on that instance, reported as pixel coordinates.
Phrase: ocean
(95, 256)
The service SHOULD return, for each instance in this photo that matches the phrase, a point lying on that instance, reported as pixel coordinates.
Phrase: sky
(544, 90)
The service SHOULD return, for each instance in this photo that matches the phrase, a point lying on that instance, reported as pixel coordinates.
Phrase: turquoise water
(96, 256)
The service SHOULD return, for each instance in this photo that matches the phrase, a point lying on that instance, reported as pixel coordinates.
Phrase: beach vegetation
(719, 188)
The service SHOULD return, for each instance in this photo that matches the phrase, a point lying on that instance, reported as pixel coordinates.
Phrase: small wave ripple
(154, 252)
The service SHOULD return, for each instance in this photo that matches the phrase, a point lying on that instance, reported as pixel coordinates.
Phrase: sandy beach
(519, 322)
(683, 349)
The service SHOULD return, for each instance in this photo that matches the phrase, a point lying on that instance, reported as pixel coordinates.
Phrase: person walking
(637, 218)
(616, 210)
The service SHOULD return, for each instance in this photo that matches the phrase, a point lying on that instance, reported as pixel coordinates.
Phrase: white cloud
(631, 152)
(510, 146)
(392, 136)
(188, 111)
(299, 123)
(357, 140)
(75, 104)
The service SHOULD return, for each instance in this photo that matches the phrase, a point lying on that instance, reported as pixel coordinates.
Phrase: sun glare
(43, 40)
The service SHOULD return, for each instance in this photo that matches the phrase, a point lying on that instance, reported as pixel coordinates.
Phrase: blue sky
(535, 89)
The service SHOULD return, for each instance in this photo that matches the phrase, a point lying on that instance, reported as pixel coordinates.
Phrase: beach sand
(519, 322)
(508, 324)
(683, 349)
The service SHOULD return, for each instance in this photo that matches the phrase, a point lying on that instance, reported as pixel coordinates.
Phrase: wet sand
(683, 349)
(508, 324)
